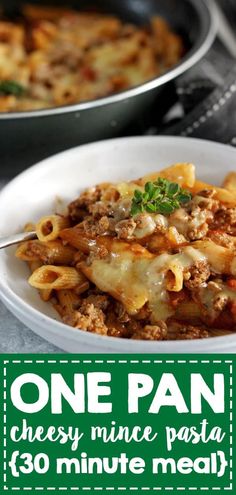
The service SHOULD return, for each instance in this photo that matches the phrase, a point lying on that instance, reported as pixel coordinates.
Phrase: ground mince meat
(89, 319)
(125, 228)
(199, 274)
(151, 332)
(225, 218)
(187, 332)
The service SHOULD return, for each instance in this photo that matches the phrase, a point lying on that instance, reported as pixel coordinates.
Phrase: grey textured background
(16, 338)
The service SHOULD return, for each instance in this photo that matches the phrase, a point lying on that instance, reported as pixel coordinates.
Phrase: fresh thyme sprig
(161, 196)
(11, 88)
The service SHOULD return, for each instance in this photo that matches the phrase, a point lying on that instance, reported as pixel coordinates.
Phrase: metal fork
(16, 239)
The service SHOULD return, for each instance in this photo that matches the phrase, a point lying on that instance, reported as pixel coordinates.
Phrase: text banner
(113, 423)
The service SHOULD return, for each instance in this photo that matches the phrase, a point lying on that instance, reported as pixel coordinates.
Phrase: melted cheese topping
(136, 277)
(215, 292)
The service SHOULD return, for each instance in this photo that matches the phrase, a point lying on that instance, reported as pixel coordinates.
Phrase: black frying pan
(27, 137)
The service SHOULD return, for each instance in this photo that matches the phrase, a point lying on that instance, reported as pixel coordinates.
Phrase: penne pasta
(223, 195)
(75, 237)
(24, 252)
(223, 239)
(182, 173)
(174, 277)
(33, 265)
(82, 287)
(221, 259)
(54, 277)
(53, 252)
(68, 300)
(45, 294)
(49, 227)
(230, 182)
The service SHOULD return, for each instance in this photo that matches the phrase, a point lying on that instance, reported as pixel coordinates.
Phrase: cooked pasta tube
(68, 300)
(222, 238)
(54, 277)
(49, 227)
(221, 259)
(24, 252)
(120, 274)
(45, 294)
(76, 238)
(182, 173)
(223, 195)
(82, 287)
(53, 252)
(33, 265)
(174, 277)
(230, 182)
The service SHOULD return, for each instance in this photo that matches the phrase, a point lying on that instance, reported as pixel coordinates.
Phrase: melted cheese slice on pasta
(134, 276)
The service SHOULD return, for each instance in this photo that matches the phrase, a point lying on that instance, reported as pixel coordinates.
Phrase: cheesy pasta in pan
(52, 56)
(151, 259)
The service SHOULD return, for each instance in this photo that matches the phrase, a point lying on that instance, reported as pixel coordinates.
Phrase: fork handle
(16, 238)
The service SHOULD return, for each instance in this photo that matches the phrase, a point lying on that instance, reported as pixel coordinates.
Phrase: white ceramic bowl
(33, 193)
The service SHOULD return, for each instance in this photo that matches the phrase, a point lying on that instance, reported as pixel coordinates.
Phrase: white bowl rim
(108, 343)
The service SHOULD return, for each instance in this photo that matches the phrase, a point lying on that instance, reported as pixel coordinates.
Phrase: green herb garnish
(11, 88)
(161, 196)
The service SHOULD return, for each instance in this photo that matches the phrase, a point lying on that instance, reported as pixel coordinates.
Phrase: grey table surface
(16, 337)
